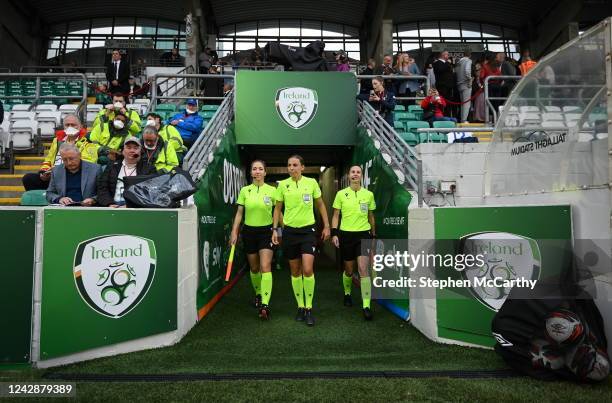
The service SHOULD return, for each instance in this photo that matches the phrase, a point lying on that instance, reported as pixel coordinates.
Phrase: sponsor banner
(215, 199)
(108, 276)
(392, 201)
(518, 244)
(286, 108)
(16, 280)
(128, 44)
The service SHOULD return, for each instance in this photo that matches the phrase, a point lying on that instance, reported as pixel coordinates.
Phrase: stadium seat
(399, 108)
(139, 108)
(142, 101)
(21, 133)
(46, 107)
(547, 116)
(22, 115)
(573, 109)
(21, 107)
(210, 107)
(413, 108)
(166, 108)
(529, 109)
(410, 138)
(48, 121)
(412, 126)
(207, 115)
(444, 124)
(399, 127)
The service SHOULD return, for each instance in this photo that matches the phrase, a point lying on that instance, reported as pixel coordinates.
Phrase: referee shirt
(298, 198)
(258, 202)
(354, 206)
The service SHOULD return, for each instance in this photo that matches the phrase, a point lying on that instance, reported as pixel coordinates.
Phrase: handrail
(65, 69)
(37, 97)
(175, 84)
(488, 105)
(197, 159)
(413, 77)
(403, 159)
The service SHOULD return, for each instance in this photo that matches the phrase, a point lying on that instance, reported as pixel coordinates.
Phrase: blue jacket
(190, 127)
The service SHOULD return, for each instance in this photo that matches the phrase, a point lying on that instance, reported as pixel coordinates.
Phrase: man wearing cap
(73, 133)
(188, 123)
(107, 114)
(111, 182)
(168, 133)
(156, 152)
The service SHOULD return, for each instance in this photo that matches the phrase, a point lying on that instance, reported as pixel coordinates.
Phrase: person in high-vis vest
(109, 138)
(156, 152)
(168, 133)
(298, 195)
(108, 113)
(73, 133)
(255, 203)
(358, 226)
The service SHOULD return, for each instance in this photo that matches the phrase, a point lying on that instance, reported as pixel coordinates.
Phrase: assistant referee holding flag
(256, 202)
(358, 225)
(299, 194)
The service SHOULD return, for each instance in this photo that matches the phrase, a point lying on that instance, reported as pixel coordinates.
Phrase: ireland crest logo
(506, 257)
(114, 273)
(296, 106)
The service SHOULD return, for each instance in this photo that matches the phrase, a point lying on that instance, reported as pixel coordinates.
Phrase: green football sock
(256, 281)
(309, 285)
(266, 288)
(298, 290)
(366, 291)
(347, 282)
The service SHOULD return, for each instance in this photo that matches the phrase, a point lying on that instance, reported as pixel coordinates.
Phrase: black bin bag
(158, 191)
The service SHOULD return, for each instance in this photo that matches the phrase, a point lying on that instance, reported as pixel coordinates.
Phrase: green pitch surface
(232, 339)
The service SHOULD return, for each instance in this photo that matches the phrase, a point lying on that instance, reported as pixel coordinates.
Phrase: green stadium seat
(410, 138)
(399, 127)
(399, 108)
(412, 108)
(209, 107)
(166, 107)
(412, 126)
(207, 115)
(444, 124)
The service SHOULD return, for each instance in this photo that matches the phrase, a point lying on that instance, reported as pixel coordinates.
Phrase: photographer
(434, 105)
(381, 99)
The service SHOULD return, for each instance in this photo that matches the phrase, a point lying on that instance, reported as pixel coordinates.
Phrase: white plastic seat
(529, 109)
(48, 122)
(557, 116)
(94, 107)
(21, 108)
(567, 109)
(553, 123)
(21, 133)
(142, 101)
(22, 115)
(552, 109)
(139, 108)
(46, 107)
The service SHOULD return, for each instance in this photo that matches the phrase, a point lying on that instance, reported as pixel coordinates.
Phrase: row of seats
(408, 132)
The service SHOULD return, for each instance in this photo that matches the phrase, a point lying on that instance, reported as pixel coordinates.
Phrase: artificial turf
(231, 339)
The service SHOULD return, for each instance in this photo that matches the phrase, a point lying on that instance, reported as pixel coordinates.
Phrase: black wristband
(335, 232)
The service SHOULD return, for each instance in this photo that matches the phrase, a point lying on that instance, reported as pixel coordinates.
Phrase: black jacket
(444, 74)
(107, 181)
(124, 75)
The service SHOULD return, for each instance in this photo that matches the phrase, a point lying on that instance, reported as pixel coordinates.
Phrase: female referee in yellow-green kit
(256, 202)
(298, 194)
(357, 205)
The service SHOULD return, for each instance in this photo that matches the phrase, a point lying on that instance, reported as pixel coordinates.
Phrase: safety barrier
(488, 104)
(401, 157)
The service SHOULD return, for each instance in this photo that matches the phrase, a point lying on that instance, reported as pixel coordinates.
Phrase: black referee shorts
(351, 244)
(256, 238)
(299, 241)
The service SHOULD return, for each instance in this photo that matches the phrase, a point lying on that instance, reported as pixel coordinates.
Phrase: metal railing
(64, 69)
(401, 157)
(201, 152)
(37, 97)
(418, 78)
(489, 107)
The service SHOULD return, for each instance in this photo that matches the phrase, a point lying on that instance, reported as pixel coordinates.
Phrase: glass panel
(555, 123)
(429, 29)
(470, 30)
(246, 29)
(330, 29)
(268, 28)
(408, 30)
(450, 28)
(311, 28)
(491, 31)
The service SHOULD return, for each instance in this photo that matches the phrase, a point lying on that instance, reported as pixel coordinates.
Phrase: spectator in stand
(526, 63)
(102, 96)
(157, 154)
(227, 88)
(207, 59)
(110, 183)
(428, 68)
(1, 112)
(134, 90)
(434, 105)
(109, 136)
(172, 59)
(406, 66)
(118, 74)
(381, 99)
(107, 114)
(342, 61)
(491, 67)
(73, 133)
(168, 133)
(141, 67)
(445, 78)
(74, 181)
(507, 69)
(477, 92)
(188, 123)
(386, 69)
(212, 87)
(366, 83)
(464, 83)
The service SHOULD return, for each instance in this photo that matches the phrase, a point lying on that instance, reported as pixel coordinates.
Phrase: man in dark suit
(445, 78)
(118, 74)
(74, 181)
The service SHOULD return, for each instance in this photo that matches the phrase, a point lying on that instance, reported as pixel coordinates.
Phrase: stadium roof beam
(553, 28)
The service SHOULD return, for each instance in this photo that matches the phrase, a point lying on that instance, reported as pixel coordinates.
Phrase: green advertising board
(217, 193)
(286, 108)
(16, 280)
(109, 276)
(392, 201)
(529, 242)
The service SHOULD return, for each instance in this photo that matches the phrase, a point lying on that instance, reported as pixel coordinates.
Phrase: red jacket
(438, 106)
